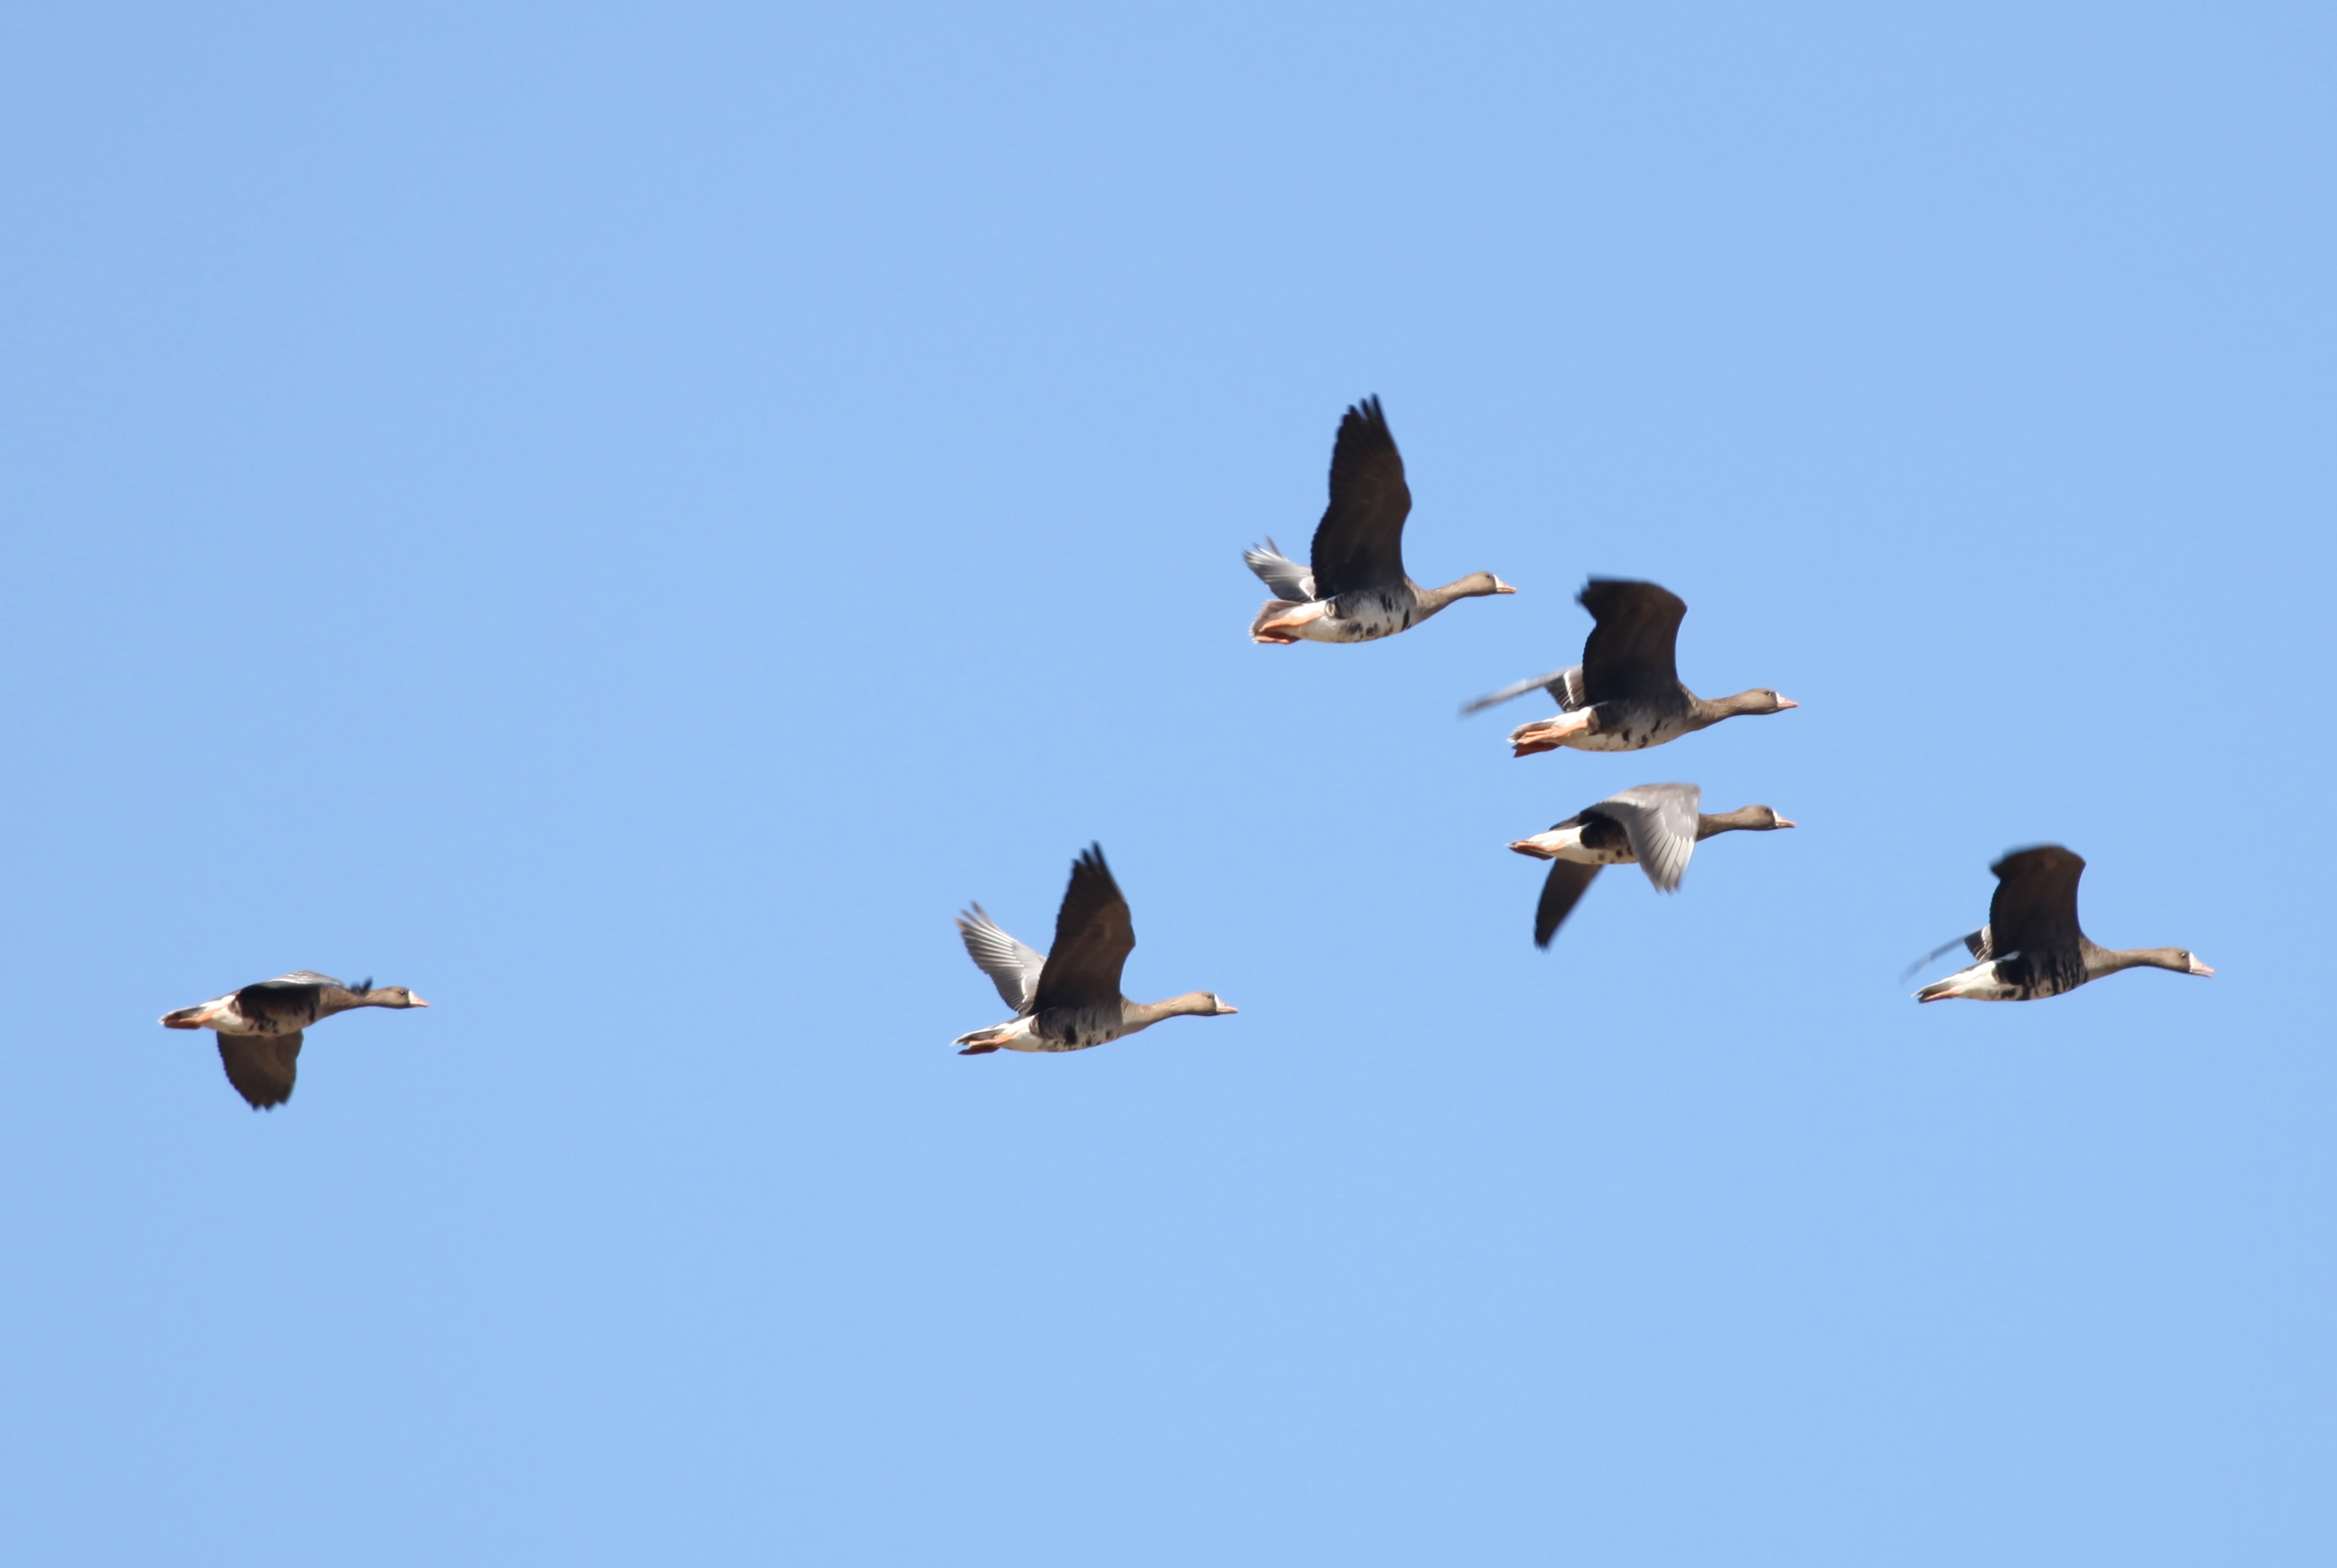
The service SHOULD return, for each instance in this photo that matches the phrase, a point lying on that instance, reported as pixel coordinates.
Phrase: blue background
(621, 518)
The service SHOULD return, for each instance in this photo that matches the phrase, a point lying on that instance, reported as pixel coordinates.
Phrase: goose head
(2182, 960)
(392, 996)
(1760, 700)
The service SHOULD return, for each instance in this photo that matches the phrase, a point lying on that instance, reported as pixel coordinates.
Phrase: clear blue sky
(623, 518)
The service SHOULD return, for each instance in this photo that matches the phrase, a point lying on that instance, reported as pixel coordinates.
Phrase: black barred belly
(1616, 728)
(2034, 976)
(1369, 613)
(1076, 1028)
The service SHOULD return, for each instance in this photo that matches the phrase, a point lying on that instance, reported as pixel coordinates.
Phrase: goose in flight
(1357, 590)
(259, 1026)
(1655, 826)
(1069, 998)
(2032, 946)
(1626, 695)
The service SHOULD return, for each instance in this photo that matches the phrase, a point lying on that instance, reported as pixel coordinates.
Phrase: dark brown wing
(1566, 884)
(261, 1066)
(1359, 544)
(1630, 653)
(1094, 938)
(2033, 915)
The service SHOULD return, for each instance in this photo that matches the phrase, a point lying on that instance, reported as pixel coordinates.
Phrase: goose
(1656, 826)
(259, 1026)
(1357, 591)
(1068, 999)
(2032, 946)
(1626, 695)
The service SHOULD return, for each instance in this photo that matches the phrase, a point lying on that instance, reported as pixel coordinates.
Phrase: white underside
(1573, 730)
(1566, 844)
(1977, 984)
(221, 1014)
(1314, 622)
(1018, 1036)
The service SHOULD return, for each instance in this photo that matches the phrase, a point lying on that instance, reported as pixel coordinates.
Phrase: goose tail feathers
(982, 1041)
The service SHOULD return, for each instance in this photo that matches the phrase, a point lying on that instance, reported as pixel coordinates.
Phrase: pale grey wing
(1012, 966)
(1660, 820)
(1565, 686)
(1974, 942)
(304, 977)
(1288, 578)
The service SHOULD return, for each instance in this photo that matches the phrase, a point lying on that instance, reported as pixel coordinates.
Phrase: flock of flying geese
(1625, 696)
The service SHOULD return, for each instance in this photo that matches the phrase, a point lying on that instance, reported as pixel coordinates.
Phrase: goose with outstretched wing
(1355, 588)
(2032, 946)
(1626, 695)
(1069, 998)
(260, 1027)
(1655, 826)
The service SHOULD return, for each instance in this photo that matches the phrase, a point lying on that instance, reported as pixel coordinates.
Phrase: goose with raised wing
(1069, 998)
(1655, 826)
(2032, 946)
(1626, 695)
(1355, 588)
(259, 1026)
